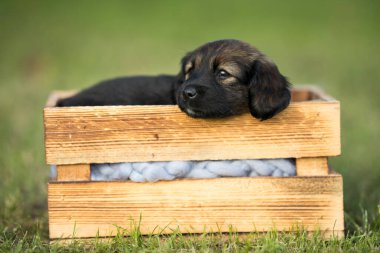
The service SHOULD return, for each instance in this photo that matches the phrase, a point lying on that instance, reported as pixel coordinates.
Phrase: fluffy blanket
(155, 171)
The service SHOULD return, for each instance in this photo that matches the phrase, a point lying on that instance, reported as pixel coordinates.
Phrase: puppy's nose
(190, 92)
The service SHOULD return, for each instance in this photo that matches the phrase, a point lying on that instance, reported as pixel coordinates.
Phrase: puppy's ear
(269, 91)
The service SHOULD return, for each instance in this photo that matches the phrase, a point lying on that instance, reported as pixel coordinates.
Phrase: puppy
(219, 79)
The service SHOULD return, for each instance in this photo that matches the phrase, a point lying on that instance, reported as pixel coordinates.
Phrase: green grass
(231, 242)
(47, 45)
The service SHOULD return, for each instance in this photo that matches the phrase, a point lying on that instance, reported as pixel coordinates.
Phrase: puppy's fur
(218, 79)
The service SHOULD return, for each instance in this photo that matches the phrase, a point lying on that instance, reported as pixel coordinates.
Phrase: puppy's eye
(222, 74)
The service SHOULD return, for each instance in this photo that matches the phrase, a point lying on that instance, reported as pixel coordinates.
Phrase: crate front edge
(90, 209)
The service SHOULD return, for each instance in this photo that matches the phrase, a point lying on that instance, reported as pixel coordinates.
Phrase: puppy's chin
(196, 113)
(191, 112)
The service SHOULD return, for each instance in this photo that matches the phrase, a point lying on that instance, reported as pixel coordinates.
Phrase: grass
(273, 241)
(46, 45)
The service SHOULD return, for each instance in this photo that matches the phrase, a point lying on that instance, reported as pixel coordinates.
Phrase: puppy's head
(227, 77)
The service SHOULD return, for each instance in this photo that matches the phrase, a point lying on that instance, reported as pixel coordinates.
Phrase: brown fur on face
(227, 77)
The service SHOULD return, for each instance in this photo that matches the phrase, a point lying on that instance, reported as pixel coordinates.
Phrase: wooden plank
(202, 205)
(73, 172)
(300, 94)
(312, 166)
(56, 95)
(317, 93)
(162, 133)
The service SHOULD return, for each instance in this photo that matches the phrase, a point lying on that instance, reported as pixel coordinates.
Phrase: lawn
(47, 45)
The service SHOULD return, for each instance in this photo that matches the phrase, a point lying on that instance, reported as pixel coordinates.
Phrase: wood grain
(248, 204)
(312, 166)
(56, 95)
(162, 133)
(73, 172)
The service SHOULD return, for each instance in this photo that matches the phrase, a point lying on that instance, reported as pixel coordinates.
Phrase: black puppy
(218, 79)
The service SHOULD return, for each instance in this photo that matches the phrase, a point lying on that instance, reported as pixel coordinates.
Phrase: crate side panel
(164, 133)
(248, 204)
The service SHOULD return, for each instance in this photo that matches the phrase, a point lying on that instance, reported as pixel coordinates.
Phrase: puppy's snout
(190, 92)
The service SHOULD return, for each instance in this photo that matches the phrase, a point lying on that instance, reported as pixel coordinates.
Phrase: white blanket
(155, 171)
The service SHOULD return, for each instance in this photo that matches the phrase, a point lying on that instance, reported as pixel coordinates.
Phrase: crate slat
(248, 204)
(75, 135)
(312, 166)
(77, 172)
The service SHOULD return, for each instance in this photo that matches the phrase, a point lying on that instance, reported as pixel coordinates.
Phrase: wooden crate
(309, 130)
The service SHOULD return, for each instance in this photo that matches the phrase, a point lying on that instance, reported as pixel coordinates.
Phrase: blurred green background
(48, 45)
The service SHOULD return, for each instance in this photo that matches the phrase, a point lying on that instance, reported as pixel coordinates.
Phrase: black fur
(138, 90)
(218, 79)
(268, 90)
